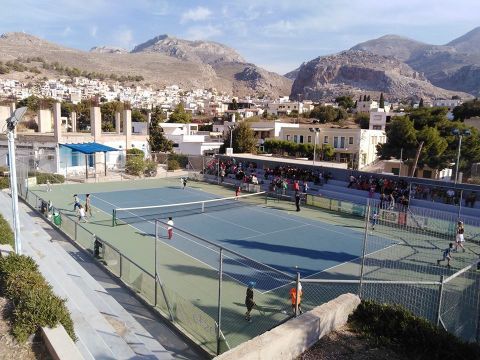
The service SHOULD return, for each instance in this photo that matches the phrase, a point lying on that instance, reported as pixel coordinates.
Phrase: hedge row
(6, 234)
(35, 304)
(394, 326)
(43, 177)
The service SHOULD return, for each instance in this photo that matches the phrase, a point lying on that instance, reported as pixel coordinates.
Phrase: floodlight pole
(14, 190)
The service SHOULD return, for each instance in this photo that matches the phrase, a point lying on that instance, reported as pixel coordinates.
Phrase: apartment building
(187, 139)
(355, 146)
(366, 106)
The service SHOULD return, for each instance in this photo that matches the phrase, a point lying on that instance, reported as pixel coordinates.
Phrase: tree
(420, 104)
(382, 101)
(139, 116)
(179, 115)
(363, 120)
(108, 111)
(135, 164)
(433, 150)
(467, 110)
(345, 101)
(234, 104)
(400, 135)
(327, 151)
(157, 140)
(328, 114)
(364, 97)
(243, 139)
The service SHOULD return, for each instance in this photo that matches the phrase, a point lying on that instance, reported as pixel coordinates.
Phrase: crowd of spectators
(402, 191)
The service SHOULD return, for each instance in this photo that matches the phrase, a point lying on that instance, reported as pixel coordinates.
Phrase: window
(335, 142)
(288, 137)
(395, 171)
(309, 139)
(301, 139)
(350, 140)
(342, 142)
(325, 139)
(377, 127)
(295, 138)
(427, 174)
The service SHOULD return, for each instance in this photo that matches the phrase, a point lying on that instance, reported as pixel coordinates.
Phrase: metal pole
(401, 159)
(460, 204)
(155, 259)
(364, 250)
(439, 303)
(314, 147)
(231, 136)
(14, 191)
(458, 158)
(219, 306)
(478, 311)
(297, 297)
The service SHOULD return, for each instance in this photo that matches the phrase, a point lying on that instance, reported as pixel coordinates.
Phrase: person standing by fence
(249, 303)
(293, 298)
(297, 200)
(460, 238)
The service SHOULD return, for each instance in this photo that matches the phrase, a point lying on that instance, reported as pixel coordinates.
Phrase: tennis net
(130, 215)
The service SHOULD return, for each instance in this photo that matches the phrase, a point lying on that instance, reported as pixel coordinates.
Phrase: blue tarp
(89, 148)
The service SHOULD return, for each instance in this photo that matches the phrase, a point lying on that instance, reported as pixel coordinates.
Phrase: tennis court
(274, 237)
(268, 242)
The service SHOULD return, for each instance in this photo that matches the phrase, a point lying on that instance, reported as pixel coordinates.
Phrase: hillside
(157, 68)
(356, 71)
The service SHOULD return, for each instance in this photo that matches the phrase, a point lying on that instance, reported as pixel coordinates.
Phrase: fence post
(219, 314)
(155, 259)
(297, 296)
(460, 205)
(439, 302)
(364, 250)
(121, 265)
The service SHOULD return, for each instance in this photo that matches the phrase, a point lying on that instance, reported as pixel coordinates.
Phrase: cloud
(67, 31)
(93, 31)
(124, 38)
(200, 13)
(203, 32)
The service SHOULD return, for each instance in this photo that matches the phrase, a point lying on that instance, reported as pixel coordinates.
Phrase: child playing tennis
(170, 228)
(447, 255)
(374, 220)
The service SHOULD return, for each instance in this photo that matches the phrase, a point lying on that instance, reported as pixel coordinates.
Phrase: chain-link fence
(201, 287)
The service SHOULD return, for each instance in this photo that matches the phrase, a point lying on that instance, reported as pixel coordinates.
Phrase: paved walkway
(109, 321)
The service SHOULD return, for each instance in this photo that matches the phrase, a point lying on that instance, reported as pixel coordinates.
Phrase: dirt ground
(344, 344)
(10, 349)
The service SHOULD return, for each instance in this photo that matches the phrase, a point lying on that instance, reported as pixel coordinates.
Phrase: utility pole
(416, 159)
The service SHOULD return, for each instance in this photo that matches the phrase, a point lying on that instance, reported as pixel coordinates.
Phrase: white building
(449, 103)
(188, 140)
(366, 106)
(355, 146)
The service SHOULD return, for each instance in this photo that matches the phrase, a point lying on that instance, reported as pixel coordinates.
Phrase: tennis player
(170, 228)
(237, 191)
(76, 202)
(447, 255)
(184, 182)
(293, 298)
(374, 220)
(81, 214)
(88, 205)
(249, 303)
(460, 239)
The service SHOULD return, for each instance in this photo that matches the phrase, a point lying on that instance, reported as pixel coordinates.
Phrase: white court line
(333, 267)
(232, 223)
(188, 239)
(275, 232)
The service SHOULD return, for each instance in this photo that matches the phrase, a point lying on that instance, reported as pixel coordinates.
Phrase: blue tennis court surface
(277, 238)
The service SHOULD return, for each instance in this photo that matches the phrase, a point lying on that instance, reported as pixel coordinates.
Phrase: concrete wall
(289, 340)
(45, 120)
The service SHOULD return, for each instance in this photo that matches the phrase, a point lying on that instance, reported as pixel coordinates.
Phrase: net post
(439, 302)
(219, 306)
(364, 250)
(203, 206)
(297, 296)
(114, 215)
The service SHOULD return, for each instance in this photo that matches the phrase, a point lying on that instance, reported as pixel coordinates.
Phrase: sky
(278, 35)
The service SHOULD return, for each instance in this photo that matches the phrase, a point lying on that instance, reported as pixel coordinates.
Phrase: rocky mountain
(108, 50)
(202, 65)
(207, 52)
(454, 66)
(359, 71)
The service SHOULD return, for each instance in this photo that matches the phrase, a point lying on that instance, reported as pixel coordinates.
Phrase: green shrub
(135, 165)
(4, 183)
(43, 177)
(393, 325)
(35, 304)
(150, 168)
(6, 234)
(181, 159)
(173, 165)
(135, 151)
